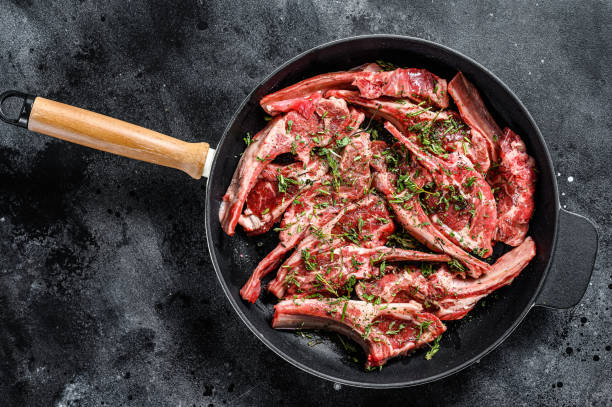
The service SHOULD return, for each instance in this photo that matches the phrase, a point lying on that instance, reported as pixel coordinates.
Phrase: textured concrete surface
(107, 296)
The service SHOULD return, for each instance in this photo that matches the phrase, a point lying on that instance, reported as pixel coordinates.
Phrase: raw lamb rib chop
(514, 181)
(298, 221)
(344, 227)
(440, 132)
(463, 191)
(410, 214)
(319, 204)
(474, 112)
(289, 133)
(404, 284)
(442, 293)
(415, 84)
(383, 331)
(276, 187)
(328, 270)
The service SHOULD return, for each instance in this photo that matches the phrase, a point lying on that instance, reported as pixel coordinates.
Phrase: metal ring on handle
(24, 113)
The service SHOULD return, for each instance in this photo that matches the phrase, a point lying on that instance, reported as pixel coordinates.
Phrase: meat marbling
(514, 183)
(275, 190)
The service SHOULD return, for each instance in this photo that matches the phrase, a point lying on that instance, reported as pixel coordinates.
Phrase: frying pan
(557, 277)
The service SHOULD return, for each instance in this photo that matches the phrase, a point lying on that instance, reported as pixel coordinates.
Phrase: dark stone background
(107, 296)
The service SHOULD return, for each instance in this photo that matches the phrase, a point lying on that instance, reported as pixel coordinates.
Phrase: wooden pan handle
(115, 136)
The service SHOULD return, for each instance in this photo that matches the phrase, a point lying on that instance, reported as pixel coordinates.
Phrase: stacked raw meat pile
(379, 168)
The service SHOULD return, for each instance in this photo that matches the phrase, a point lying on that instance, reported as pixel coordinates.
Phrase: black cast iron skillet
(557, 277)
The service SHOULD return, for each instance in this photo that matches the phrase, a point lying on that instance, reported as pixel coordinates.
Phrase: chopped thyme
(386, 66)
(402, 240)
(368, 329)
(350, 284)
(283, 182)
(291, 279)
(247, 139)
(309, 260)
(427, 269)
(344, 311)
(391, 331)
(418, 112)
(343, 142)
(346, 345)
(279, 229)
(423, 326)
(352, 235)
(360, 224)
(454, 265)
(433, 348)
(321, 236)
(469, 182)
(326, 284)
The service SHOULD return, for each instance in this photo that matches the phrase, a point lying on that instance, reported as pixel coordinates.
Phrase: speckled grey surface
(107, 296)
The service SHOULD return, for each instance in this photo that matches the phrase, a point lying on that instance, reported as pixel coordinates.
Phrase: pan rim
(399, 384)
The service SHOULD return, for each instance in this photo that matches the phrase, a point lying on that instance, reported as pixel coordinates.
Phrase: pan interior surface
(466, 340)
